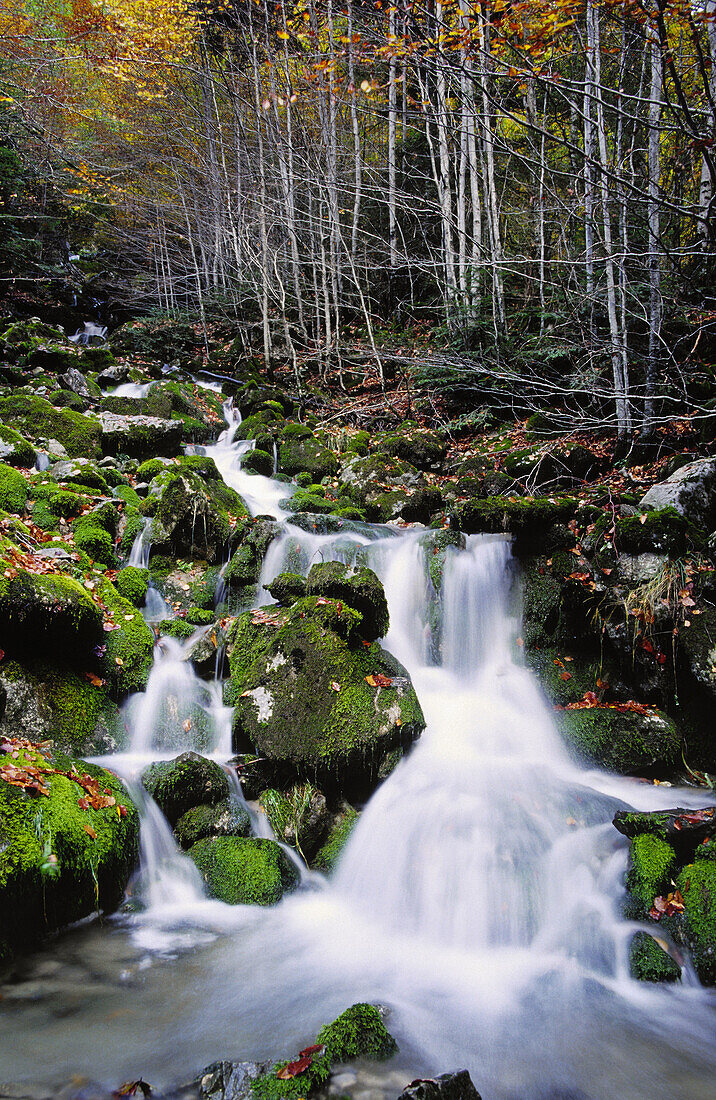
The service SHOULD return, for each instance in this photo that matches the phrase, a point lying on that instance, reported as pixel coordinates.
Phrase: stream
(478, 897)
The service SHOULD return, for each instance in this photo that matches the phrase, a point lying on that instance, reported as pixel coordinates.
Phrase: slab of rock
(230, 1080)
(448, 1086)
(139, 436)
(691, 491)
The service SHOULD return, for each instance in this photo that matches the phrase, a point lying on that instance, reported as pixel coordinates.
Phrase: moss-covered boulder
(258, 462)
(358, 1033)
(424, 449)
(531, 520)
(649, 962)
(244, 568)
(697, 884)
(313, 699)
(13, 490)
(129, 643)
(34, 417)
(50, 701)
(359, 588)
(662, 530)
(338, 835)
(297, 454)
(80, 471)
(195, 516)
(187, 781)
(376, 471)
(66, 853)
(652, 863)
(624, 741)
(286, 588)
(690, 491)
(244, 870)
(227, 818)
(43, 615)
(132, 584)
(14, 448)
(140, 436)
(422, 504)
(438, 546)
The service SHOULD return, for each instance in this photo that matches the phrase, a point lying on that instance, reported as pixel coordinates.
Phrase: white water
(260, 494)
(478, 897)
(90, 331)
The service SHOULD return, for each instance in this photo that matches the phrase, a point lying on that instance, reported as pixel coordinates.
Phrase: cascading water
(478, 896)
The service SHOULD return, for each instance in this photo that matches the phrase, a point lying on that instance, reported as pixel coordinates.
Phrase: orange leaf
(90, 831)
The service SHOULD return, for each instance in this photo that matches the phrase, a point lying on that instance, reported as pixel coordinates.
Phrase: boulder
(129, 652)
(339, 831)
(245, 565)
(423, 449)
(187, 781)
(297, 454)
(359, 588)
(448, 1086)
(69, 837)
(43, 615)
(244, 870)
(423, 504)
(139, 436)
(14, 448)
(227, 818)
(81, 471)
(132, 584)
(314, 699)
(49, 701)
(195, 515)
(650, 962)
(628, 742)
(13, 490)
(690, 490)
(298, 817)
(536, 523)
(34, 417)
(697, 885)
(229, 1080)
(114, 375)
(258, 462)
(379, 471)
(286, 588)
(75, 381)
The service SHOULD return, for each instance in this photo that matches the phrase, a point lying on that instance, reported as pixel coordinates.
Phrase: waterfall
(479, 895)
(90, 331)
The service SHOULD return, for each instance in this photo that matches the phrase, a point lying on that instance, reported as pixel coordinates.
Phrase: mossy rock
(304, 501)
(13, 490)
(244, 870)
(226, 818)
(175, 628)
(530, 520)
(379, 471)
(130, 646)
(187, 781)
(298, 816)
(649, 962)
(33, 416)
(64, 503)
(198, 616)
(358, 1033)
(258, 462)
(628, 743)
(132, 584)
(49, 700)
(83, 472)
(423, 504)
(651, 864)
(59, 862)
(46, 615)
(286, 588)
(697, 883)
(128, 495)
(663, 530)
(14, 448)
(338, 836)
(153, 466)
(94, 540)
(306, 698)
(297, 454)
(423, 449)
(195, 518)
(359, 588)
(438, 546)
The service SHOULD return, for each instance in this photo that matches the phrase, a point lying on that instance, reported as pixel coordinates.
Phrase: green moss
(244, 870)
(14, 448)
(65, 503)
(132, 583)
(328, 855)
(652, 862)
(130, 646)
(303, 501)
(529, 519)
(286, 588)
(663, 530)
(52, 870)
(128, 495)
(13, 490)
(44, 517)
(47, 614)
(648, 962)
(222, 819)
(94, 540)
(33, 416)
(258, 462)
(175, 628)
(186, 781)
(697, 883)
(199, 616)
(86, 474)
(297, 454)
(149, 469)
(627, 743)
(358, 1033)
(360, 588)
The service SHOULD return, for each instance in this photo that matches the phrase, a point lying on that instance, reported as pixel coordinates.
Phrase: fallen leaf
(90, 831)
(335, 686)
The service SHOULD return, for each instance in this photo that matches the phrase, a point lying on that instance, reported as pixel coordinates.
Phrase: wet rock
(296, 453)
(359, 588)
(225, 818)
(14, 448)
(629, 743)
(423, 449)
(678, 826)
(139, 436)
(245, 566)
(691, 491)
(536, 523)
(339, 831)
(244, 870)
(423, 504)
(61, 859)
(208, 649)
(187, 781)
(115, 375)
(75, 381)
(438, 546)
(697, 885)
(650, 962)
(286, 588)
(43, 615)
(230, 1080)
(298, 816)
(315, 703)
(80, 471)
(448, 1086)
(195, 515)
(258, 462)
